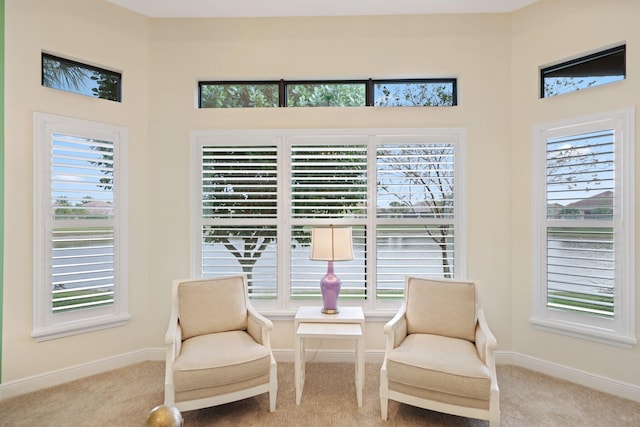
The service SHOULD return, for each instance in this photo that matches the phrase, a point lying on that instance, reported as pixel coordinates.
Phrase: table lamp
(331, 244)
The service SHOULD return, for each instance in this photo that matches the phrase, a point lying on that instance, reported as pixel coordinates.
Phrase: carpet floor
(124, 397)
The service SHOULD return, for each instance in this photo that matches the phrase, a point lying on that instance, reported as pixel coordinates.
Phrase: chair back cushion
(212, 305)
(441, 307)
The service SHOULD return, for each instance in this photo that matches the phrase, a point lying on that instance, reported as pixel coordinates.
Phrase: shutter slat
(226, 249)
(329, 181)
(239, 182)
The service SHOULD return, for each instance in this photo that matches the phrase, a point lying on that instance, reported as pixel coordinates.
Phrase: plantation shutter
(580, 204)
(239, 203)
(328, 186)
(259, 194)
(415, 212)
(82, 223)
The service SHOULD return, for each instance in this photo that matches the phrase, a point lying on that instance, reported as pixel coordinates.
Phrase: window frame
(618, 330)
(577, 62)
(46, 324)
(277, 83)
(284, 304)
(369, 86)
(373, 82)
(86, 67)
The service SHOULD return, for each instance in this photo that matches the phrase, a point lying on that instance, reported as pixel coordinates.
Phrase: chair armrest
(486, 344)
(173, 336)
(172, 328)
(259, 327)
(173, 344)
(485, 341)
(395, 329)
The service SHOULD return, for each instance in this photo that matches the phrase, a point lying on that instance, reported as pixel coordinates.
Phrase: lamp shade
(331, 244)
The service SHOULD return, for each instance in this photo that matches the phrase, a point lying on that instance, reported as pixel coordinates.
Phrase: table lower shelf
(329, 330)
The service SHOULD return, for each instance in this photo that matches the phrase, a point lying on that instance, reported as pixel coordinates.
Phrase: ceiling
(266, 8)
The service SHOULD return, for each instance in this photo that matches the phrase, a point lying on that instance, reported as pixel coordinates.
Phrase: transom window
(84, 79)
(581, 73)
(337, 93)
(257, 195)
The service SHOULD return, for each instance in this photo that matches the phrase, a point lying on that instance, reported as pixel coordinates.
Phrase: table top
(345, 315)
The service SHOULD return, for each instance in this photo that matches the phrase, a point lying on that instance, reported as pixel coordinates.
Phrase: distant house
(599, 206)
(94, 209)
(97, 208)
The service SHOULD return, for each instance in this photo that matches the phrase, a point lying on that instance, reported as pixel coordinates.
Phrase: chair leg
(272, 400)
(169, 395)
(384, 407)
(384, 391)
(494, 407)
(494, 417)
(273, 385)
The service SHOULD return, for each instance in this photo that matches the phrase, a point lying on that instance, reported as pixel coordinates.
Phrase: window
(257, 194)
(415, 93)
(72, 76)
(80, 233)
(584, 72)
(584, 240)
(325, 94)
(238, 94)
(321, 93)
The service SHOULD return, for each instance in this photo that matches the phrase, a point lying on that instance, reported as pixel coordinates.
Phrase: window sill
(79, 327)
(600, 335)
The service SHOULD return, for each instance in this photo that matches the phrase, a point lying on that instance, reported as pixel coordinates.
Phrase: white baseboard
(577, 376)
(71, 373)
(61, 376)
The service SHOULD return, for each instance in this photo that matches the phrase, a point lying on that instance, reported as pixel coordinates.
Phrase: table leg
(303, 364)
(298, 369)
(359, 369)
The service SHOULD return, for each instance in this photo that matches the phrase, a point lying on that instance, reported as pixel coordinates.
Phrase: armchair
(218, 346)
(440, 352)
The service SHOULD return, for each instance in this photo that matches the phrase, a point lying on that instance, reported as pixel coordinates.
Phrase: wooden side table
(310, 322)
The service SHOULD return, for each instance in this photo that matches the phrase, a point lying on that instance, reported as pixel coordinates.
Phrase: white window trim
(283, 305)
(46, 325)
(619, 331)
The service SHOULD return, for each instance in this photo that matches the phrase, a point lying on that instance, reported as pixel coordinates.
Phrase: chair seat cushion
(219, 359)
(442, 364)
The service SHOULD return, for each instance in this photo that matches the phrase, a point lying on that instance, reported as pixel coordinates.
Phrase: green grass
(584, 302)
(94, 298)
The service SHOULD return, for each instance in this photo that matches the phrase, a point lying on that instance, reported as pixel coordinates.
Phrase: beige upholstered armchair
(218, 346)
(440, 352)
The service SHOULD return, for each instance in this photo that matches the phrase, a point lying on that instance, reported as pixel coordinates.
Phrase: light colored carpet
(124, 397)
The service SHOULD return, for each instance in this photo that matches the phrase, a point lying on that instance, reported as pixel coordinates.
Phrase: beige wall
(494, 57)
(473, 48)
(102, 35)
(549, 31)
